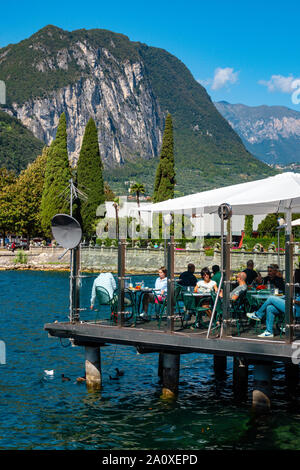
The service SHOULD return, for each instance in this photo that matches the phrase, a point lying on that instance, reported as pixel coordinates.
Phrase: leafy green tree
(269, 224)
(57, 177)
(29, 188)
(8, 205)
(165, 173)
(248, 227)
(109, 194)
(90, 178)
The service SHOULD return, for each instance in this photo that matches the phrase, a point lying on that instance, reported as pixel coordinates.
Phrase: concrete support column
(262, 387)
(291, 377)
(240, 378)
(170, 374)
(220, 365)
(93, 368)
(160, 365)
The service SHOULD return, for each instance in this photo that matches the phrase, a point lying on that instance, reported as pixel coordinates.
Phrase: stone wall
(137, 260)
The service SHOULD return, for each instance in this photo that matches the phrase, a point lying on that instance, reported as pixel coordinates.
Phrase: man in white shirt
(105, 280)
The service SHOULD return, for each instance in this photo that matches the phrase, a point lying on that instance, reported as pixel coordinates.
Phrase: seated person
(272, 307)
(258, 281)
(250, 273)
(241, 288)
(206, 284)
(216, 274)
(161, 286)
(187, 278)
(105, 280)
(274, 277)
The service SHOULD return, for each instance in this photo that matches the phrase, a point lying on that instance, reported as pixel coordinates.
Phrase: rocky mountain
(127, 88)
(271, 133)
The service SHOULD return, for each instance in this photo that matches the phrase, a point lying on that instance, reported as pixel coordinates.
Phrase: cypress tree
(165, 173)
(57, 177)
(248, 227)
(90, 178)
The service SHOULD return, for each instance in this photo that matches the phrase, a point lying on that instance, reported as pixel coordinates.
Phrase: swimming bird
(49, 372)
(81, 379)
(65, 379)
(120, 373)
(113, 378)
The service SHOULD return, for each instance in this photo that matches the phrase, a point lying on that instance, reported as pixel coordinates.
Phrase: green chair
(238, 310)
(196, 307)
(103, 298)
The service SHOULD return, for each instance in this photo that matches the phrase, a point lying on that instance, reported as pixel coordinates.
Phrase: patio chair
(103, 298)
(238, 310)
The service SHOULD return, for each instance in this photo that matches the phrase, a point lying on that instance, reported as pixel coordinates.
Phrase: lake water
(42, 412)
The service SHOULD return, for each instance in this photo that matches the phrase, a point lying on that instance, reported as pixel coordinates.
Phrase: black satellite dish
(66, 230)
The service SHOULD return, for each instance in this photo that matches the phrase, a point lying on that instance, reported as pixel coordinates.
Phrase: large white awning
(265, 196)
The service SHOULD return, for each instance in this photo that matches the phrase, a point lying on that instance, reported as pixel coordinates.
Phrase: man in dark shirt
(250, 273)
(216, 274)
(187, 278)
(274, 277)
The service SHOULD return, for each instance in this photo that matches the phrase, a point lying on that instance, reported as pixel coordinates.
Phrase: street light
(281, 225)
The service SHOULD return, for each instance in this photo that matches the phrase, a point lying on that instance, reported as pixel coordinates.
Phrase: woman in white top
(206, 284)
(161, 287)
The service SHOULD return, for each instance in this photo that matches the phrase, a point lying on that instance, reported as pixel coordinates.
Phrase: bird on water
(65, 379)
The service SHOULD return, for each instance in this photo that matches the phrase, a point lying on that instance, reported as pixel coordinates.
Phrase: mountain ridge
(272, 133)
(128, 88)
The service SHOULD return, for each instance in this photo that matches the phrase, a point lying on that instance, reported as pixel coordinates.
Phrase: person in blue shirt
(273, 307)
(161, 287)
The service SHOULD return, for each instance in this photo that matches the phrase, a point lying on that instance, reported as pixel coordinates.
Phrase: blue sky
(242, 51)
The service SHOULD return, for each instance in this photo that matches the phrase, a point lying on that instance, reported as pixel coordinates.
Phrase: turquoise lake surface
(42, 412)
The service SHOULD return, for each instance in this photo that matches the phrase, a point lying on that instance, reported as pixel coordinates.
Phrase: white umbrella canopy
(265, 196)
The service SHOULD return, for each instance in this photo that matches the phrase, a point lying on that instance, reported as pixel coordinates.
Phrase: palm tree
(138, 188)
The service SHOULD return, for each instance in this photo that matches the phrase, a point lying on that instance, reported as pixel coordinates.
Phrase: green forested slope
(18, 146)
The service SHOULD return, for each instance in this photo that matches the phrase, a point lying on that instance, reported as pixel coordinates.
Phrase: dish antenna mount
(66, 230)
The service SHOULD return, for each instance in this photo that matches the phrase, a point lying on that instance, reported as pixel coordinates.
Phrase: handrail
(215, 306)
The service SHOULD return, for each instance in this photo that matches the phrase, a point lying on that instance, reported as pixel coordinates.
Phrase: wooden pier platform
(148, 338)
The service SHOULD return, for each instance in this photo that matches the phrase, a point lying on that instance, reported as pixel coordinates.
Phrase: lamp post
(167, 220)
(281, 225)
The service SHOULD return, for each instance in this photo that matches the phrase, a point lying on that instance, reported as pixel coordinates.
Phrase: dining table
(138, 293)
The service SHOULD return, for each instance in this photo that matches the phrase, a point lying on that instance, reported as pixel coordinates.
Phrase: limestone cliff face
(116, 94)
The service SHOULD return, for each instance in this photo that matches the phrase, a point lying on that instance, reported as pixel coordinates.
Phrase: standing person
(216, 274)
(13, 247)
(187, 278)
(105, 280)
(161, 288)
(250, 273)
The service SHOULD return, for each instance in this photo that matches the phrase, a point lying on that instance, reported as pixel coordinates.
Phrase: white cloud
(281, 83)
(223, 76)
